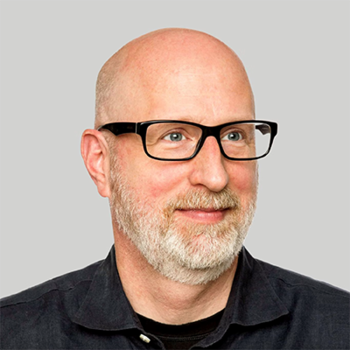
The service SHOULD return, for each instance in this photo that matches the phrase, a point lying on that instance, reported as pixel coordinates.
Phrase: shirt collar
(252, 299)
(106, 306)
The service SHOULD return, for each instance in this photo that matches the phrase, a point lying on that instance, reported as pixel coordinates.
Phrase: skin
(170, 74)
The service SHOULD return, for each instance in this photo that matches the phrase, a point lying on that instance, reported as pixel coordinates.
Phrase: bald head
(163, 62)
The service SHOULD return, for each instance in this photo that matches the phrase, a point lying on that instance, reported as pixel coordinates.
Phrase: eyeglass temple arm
(120, 128)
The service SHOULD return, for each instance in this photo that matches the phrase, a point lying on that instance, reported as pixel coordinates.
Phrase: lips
(207, 210)
(204, 215)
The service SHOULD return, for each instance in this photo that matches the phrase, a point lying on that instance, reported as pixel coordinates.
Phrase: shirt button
(144, 338)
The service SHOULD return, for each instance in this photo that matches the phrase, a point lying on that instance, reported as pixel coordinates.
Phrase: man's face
(188, 218)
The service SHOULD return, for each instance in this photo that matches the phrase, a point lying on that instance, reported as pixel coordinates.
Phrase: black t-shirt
(181, 336)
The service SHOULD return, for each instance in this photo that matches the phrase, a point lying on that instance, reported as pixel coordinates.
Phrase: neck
(163, 300)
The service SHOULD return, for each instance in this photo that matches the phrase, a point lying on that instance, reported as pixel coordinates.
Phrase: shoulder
(27, 313)
(295, 283)
(61, 284)
(312, 305)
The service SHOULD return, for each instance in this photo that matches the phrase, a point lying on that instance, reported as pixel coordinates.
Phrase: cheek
(151, 180)
(163, 180)
(243, 177)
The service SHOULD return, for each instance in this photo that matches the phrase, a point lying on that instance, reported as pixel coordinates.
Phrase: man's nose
(209, 168)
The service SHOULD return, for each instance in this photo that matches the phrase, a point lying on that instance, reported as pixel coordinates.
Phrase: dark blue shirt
(268, 308)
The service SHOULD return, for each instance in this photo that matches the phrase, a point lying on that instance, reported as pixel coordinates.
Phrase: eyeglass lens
(178, 140)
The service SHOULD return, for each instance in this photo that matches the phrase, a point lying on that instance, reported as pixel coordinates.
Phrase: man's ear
(95, 152)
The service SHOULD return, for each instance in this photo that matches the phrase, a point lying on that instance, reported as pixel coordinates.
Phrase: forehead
(193, 86)
(202, 97)
(209, 91)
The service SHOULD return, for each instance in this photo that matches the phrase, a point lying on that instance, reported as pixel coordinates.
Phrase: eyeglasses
(173, 140)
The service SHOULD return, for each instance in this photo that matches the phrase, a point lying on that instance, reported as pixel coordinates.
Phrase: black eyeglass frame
(140, 128)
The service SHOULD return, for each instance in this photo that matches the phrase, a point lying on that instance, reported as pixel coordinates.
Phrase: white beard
(185, 252)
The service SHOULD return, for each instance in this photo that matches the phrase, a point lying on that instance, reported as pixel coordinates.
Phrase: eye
(175, 136)
(233, 136)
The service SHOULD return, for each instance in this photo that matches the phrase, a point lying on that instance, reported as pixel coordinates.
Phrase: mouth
(203, 215)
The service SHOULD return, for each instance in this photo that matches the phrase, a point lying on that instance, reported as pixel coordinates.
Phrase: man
(175, 149)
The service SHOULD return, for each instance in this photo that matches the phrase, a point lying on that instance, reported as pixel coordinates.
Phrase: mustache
(194, 199)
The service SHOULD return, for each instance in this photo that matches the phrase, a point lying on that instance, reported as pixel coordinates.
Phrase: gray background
(297, 57)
